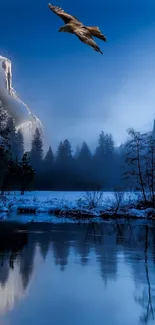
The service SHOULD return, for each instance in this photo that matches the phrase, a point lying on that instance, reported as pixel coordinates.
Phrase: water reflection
(147, 297)
(120, 254)
(11, 277)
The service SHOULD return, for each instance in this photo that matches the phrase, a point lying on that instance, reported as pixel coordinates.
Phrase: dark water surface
(77, 274)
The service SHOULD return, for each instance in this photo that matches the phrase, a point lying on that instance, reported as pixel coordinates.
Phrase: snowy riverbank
(71, 206)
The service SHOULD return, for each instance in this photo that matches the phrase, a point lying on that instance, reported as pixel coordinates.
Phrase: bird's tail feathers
(95, 31)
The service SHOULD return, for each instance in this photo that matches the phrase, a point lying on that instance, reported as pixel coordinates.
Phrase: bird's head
(49, 5)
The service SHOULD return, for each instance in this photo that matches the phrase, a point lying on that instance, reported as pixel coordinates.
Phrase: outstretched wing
(95, 31)
(84, 35)
(62, 14)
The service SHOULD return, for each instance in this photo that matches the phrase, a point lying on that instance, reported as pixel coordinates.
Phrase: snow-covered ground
(50, 195)
(46, 206)
(43, 196)
(70, 196)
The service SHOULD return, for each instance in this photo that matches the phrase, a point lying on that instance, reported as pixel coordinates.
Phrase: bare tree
(135, 152)
(94, 199)
(147, 299)
(140, 159)
(150, 168)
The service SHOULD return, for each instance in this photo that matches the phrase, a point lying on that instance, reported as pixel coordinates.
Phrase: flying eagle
(74, 26)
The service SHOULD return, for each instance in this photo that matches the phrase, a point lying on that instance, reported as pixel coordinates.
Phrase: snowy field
(43, 196)
(51, 206)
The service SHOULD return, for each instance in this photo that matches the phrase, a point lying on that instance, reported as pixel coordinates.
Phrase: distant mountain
(11, 102)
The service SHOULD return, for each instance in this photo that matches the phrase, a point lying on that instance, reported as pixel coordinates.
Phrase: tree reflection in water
(136, 243)
(147, 299)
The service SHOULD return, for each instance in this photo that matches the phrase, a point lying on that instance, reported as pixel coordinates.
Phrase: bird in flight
(74, 26)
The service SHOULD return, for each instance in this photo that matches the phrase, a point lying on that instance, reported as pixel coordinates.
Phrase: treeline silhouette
(79, 170)
(130, 166)
(62, 170)
(16, 171)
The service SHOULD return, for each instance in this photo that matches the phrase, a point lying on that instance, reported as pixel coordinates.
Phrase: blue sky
(75, 91)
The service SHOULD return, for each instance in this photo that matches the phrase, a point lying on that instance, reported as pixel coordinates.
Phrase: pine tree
(64, 153)
(85, 155)
(109, 163)
(4, 148)
(104, 158)
(99, 158)
(60, 153)
(25, 173)
(48, 170)
(109, 145)
(11, 179)
(3, 121)
(37, 150)
(12, 138)
(49, 160)
(101, 148)
(84, 167)
(68, 148)
(64, 166)
(20, 144)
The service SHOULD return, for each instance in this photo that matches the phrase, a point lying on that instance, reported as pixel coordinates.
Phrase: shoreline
(86, 208)
(36, 214)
